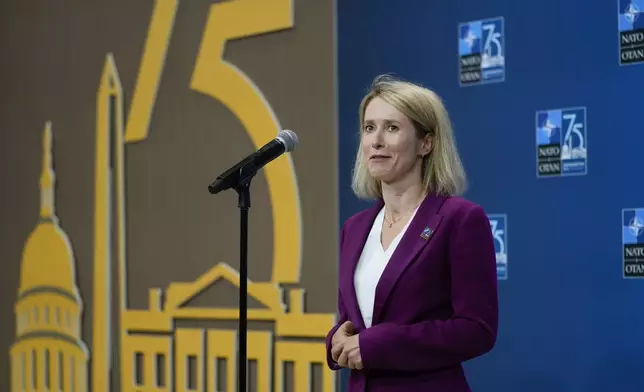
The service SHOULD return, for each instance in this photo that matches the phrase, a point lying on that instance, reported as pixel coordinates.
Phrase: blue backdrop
(570, 318)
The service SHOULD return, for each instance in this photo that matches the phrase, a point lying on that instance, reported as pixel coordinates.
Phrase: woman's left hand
(350, 356)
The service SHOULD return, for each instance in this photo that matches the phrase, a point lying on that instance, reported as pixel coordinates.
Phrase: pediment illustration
(184, 295)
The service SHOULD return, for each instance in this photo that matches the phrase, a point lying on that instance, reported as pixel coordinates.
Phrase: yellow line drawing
(108, 185)
(48, 353)
(223, 81)
(158, 351)
(152, 62)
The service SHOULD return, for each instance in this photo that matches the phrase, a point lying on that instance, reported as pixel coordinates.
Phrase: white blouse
(372, 263)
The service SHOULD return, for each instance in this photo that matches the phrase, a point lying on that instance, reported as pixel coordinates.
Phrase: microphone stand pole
(243, 190)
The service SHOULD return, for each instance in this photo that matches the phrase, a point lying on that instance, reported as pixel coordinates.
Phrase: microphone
(245, 169)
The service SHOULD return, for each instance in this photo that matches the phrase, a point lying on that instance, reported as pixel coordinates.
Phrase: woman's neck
(402, 196)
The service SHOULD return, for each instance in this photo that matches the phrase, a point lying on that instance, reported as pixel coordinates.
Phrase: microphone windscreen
(288, 138)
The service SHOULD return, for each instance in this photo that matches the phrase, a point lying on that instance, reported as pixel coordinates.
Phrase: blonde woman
(417, 276)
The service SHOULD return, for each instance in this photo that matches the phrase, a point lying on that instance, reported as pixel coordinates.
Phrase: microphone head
(288, 138)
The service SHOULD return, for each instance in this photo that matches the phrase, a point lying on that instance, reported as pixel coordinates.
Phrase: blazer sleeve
(333, 365)
(343, 317)
(472, 329)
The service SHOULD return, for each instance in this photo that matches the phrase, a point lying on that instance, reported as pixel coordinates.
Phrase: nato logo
(561, 142)
(633, 242)
(499, 227)
(631, 31)
(481, 50)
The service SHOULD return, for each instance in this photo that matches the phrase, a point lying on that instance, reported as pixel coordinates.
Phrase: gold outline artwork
(155, 354)
(48, 353)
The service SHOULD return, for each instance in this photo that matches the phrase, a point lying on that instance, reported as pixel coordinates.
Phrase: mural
(155, 352)
(48, 343)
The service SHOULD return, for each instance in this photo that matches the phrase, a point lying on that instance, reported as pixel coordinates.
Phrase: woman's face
(390, 145)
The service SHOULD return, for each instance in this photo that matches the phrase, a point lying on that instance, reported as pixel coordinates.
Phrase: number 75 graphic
(498, 225)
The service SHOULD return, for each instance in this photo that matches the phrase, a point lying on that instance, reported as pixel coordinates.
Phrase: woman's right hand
(339, 337)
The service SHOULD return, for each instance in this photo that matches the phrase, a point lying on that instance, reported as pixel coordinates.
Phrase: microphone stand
(243, 190)
(242, 186)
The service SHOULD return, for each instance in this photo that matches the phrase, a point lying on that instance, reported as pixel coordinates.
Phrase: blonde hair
(442, 169)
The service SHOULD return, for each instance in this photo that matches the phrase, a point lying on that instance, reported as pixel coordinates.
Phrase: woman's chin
(381, 175)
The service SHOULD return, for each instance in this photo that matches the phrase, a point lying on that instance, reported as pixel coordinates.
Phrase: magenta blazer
(436, 302)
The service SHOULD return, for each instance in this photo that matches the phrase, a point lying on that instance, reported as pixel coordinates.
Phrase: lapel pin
(426, 233)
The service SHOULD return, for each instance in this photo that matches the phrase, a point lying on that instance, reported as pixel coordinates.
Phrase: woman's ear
(427, 144)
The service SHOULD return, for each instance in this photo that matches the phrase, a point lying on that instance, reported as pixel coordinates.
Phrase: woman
(417, 276)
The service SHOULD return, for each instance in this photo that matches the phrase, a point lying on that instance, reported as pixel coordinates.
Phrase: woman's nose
(377, 141)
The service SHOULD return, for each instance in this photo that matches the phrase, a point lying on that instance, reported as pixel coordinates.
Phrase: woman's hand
(339, 337)
(345, 347)
(350, 353)
(346, 329)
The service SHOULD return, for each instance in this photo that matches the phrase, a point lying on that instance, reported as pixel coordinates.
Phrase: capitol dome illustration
(48, 353)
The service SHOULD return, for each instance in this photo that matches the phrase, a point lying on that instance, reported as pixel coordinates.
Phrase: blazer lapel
(354, 243)
(418, 235)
